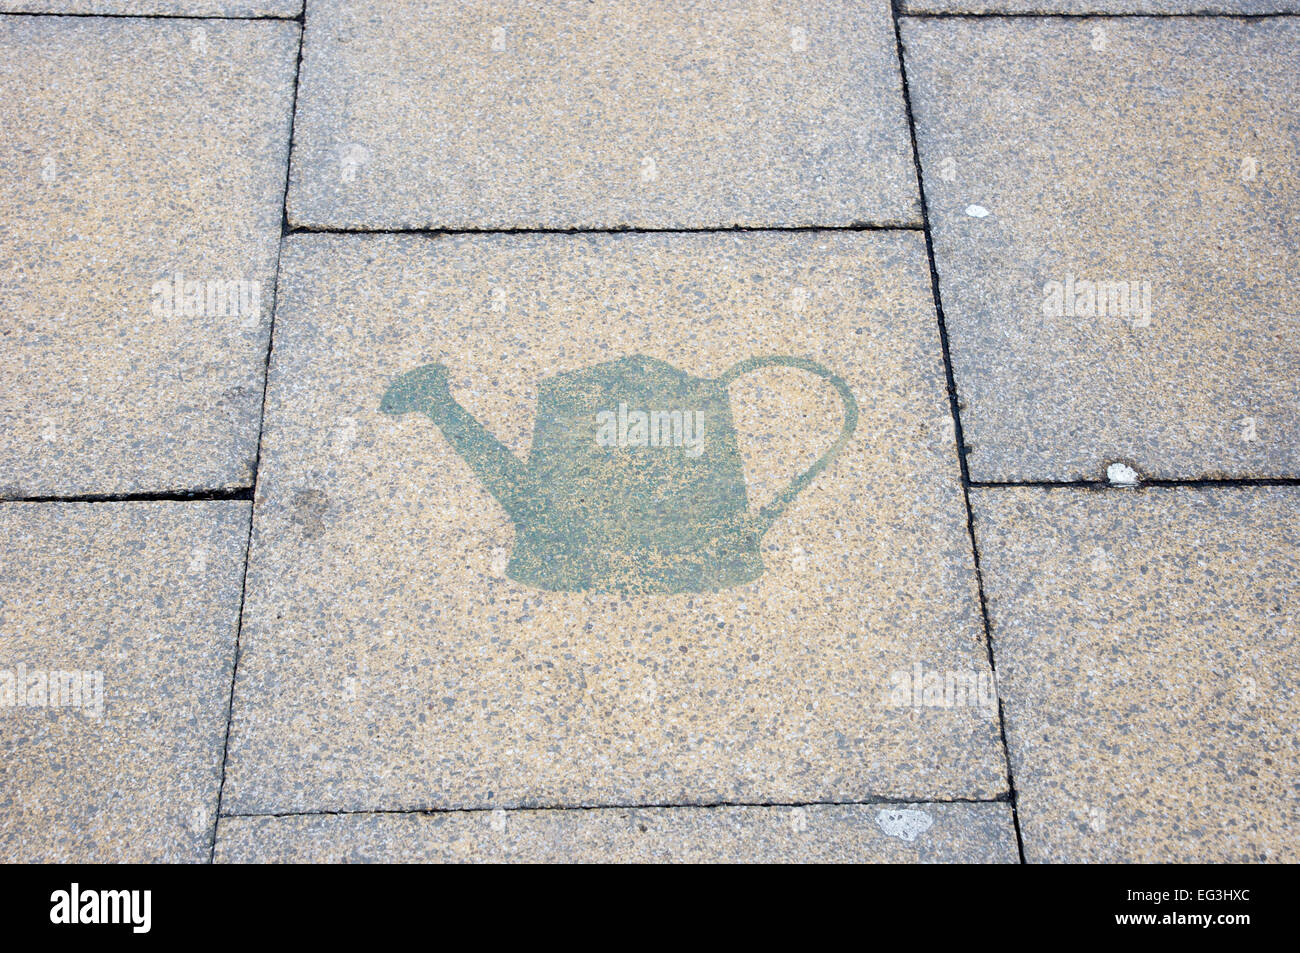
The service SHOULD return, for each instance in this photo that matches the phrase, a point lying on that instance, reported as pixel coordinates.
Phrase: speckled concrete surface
(1100, 6)
(136, 150)
(147, 595)
(1146, 653)
(578, 641)
(390, 662)
(183, 8)
(492, 114)
(879, 833)
(1147, 150)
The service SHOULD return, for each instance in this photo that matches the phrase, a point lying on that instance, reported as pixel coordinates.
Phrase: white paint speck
(1121, 474)
(905, 824)
(976, 211)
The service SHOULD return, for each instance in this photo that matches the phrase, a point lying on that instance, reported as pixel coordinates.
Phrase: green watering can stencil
(634, 481)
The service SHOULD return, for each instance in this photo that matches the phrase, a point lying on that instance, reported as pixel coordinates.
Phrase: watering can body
(634, 481)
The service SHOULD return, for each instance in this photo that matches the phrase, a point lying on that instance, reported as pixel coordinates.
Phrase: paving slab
(859, 833)
(176, 8)
(426, 628)
(1109, 7)
(140, 156)
(573, 114)
(1112, 207)
(118, 624)
(1145, 645)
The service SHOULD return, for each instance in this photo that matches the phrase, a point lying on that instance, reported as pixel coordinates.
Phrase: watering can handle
(770, 513)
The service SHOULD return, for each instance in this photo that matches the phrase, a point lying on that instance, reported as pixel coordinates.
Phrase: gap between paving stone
(612, 230)
(667, 806)
(161, 496)
(1197, 15)
(143, 16)
(918, 15)
(794, 833)
(1104, 485)
(261, 429)
(954, 406)
(234, 672)
(248, 492)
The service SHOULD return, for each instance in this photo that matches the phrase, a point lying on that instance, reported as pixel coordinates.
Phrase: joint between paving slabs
(609, 230)
(954, 406)
(1202, 483)
(646, 806)
(261, 428)
(1058, 15)
(149, 16)
(244, 493)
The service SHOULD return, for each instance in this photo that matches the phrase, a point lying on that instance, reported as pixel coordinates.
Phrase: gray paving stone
(881, 833)
(1155, 153)
(139, 603)
(137, 151)
(183, 8)
(392, 661)
(491, 114)
(1100, 6)
(1146, 655)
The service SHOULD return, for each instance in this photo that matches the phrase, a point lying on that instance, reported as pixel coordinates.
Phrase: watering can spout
(427, 390)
